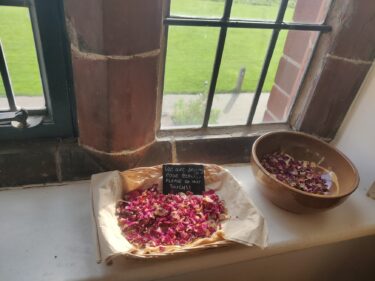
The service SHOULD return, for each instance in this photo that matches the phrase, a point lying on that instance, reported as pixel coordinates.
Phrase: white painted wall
(356, 137)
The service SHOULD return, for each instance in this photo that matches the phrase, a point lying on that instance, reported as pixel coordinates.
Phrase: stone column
(115, 48)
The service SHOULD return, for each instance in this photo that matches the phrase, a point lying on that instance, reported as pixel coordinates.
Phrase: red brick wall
(294, 61)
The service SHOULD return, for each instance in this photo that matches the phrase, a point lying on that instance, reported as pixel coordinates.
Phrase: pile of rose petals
(149, 218)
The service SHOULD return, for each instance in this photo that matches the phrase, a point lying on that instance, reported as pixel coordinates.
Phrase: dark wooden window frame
(59, 118)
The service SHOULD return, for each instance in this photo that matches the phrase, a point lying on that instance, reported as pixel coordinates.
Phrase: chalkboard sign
(183, 178)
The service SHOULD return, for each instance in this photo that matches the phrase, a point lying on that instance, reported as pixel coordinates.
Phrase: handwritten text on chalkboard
(183, 178)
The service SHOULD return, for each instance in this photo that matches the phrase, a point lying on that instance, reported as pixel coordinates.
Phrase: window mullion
(6, 81)
(206, 22)
(217, 63)
(267, 61)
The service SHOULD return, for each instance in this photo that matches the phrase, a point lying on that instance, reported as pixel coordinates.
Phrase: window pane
(3, 99)
(244, 54)
(17, 38)
(256, 9)
(202, 8)
(288, 65)
(189, 62)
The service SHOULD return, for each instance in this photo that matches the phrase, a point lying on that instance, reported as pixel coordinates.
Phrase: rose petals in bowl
(302, 175)
(297, 189)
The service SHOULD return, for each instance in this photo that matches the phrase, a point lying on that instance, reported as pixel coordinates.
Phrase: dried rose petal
(302, 175)
(150, 218)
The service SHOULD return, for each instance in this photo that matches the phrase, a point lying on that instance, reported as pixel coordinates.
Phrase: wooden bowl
(302, 146)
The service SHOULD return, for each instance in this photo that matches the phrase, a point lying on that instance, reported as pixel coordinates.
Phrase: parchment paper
(245, 224)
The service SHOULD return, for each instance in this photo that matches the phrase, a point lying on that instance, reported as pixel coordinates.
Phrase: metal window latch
(20, 119)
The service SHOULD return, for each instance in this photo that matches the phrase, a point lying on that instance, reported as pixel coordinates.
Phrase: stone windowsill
(48, 230)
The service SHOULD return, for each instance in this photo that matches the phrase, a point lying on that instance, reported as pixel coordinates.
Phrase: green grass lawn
(18, 44)
(190, 54)
(191, 50)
